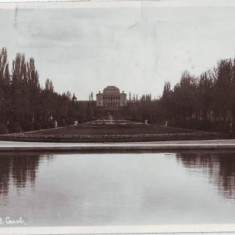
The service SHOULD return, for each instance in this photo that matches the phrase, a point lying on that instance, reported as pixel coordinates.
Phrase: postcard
(117, 117)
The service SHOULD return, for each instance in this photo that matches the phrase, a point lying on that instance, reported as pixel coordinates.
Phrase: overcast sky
(137, 49)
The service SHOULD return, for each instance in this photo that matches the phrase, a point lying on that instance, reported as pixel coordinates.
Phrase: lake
(118, 189)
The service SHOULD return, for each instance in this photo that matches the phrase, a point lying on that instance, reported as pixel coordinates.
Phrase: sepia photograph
(117, 117)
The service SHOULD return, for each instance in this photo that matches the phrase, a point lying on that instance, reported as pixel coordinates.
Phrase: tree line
(206, 102)
(25, 105)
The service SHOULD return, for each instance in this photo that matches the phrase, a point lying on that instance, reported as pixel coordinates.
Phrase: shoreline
(135, 147)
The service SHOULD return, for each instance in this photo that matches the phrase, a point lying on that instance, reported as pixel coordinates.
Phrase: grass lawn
(108, 130)
(111, 131)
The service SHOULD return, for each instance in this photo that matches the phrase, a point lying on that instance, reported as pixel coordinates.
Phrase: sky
(137, 49)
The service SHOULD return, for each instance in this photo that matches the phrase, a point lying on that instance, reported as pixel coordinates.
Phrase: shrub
(45, 125)
(3, 129)
(37, 126)
(50, 125)
(62, 122)
(15, 127)
(27, 125)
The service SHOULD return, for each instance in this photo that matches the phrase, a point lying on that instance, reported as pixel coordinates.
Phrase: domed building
(111, 99)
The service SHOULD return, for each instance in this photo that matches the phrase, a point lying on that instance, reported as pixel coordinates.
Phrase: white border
(155, 229)
(33, 4)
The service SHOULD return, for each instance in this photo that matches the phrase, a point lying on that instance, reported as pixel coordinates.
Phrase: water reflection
(20, 168)
(219, 166)
(118, 189)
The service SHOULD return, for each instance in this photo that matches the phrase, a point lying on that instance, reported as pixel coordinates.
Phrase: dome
(111, 89)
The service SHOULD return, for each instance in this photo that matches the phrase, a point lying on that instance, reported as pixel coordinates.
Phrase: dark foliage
(204, 103)
(25, 105)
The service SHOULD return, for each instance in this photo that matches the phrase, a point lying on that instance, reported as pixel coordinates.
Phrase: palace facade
(111, 99)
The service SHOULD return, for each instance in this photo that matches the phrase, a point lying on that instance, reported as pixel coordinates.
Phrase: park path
(228, 144)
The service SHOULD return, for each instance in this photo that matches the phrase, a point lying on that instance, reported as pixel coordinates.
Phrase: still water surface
(118, 189)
